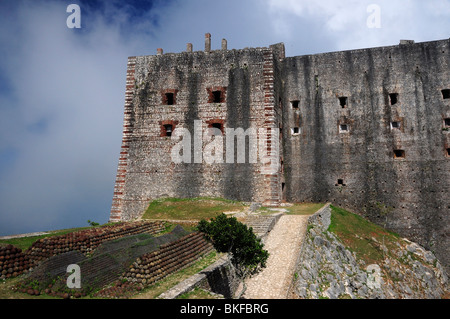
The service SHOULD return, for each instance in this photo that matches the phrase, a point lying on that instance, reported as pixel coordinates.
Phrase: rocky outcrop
(328, 269)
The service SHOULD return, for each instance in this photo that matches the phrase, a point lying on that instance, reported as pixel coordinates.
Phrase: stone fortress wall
(367, 130)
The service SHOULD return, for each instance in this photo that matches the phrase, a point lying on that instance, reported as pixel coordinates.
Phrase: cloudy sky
(62, 89)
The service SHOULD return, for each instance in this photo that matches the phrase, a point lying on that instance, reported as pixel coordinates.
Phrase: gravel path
(283, 244)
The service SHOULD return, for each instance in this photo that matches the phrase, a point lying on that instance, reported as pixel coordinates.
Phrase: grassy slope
(304, 208)
(25, 242)
(205, 208)
(169, 209)
(191, 208)
(361, 236)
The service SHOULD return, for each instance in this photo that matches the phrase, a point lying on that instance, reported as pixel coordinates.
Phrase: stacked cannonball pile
(87, 241)
(33, 289)
(120, 290)
(13, 262)
(171, 257)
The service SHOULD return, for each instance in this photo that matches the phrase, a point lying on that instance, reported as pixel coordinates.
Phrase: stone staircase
(262, 224)
(209, 277)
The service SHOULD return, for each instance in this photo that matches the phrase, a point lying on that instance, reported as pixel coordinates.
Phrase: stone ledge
(196, 280)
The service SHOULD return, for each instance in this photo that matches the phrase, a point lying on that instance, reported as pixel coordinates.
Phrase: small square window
(340, 182)
(395, 125)
(169, 99)
(393, 98)
(295, 104)
(295, 131)
(446, 94)
(447, 122)
(168, 129)
(399, 154)
(217, 126)
(343, 101)
(343, 128)
(217, 96)
(447, 152)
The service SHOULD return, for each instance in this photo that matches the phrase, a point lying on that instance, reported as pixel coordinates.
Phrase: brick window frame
(211, 123)
(164, 98)
(163, 126)
(212, 97)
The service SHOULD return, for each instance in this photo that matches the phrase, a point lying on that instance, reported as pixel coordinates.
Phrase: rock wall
(372, 136)
(328, 269)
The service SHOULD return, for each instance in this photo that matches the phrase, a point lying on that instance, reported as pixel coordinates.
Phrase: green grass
(190, 208)
(198, 293)
(206, 207)
(304, 208)
(25, 242)
(360, 235)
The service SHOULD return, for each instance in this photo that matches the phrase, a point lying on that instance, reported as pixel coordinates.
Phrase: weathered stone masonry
(368, 130)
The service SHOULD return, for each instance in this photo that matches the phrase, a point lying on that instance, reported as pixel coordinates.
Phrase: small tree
(93, 224)
(228, 235)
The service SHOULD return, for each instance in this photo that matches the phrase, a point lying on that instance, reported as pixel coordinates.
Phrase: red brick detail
(273, 193)
(163, 126)
(116, 206)
(164, 93)
(211, 96)
(217, 121)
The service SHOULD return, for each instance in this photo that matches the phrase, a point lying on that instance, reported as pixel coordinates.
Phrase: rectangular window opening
(446, 94)
(447, 152)
(169, 129)
(295, 131)
(295, 104)
(393, 97)
(343, 101)
(395, 125)
(217, 96)
(343, 128)
(447, 122)
(217, 126)
(169, 99)
(340, 182)
(399, 154)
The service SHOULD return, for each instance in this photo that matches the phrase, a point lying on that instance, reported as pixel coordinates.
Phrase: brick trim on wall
(272, 180)
(118, 197)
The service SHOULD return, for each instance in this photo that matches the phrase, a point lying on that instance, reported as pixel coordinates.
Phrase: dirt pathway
(283, 244)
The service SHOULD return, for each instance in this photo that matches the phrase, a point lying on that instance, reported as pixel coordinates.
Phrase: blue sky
(62, 90)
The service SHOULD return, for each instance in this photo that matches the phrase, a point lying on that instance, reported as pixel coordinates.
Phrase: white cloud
(345, 22)
(64, 119)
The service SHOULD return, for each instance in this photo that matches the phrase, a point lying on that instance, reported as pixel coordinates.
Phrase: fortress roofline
(280, 46)
(402, 43)
(207, 49)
